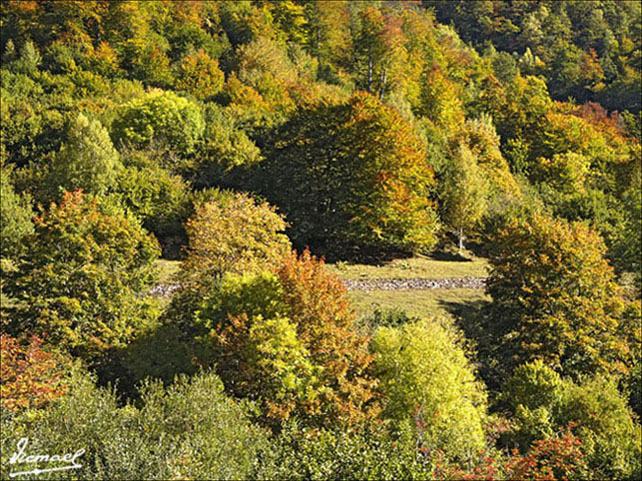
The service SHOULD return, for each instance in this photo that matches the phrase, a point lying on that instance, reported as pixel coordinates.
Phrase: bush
(30, 376)
(191, 430)
(288, 340)
(423, 372)
(82, 281)
(543, 404)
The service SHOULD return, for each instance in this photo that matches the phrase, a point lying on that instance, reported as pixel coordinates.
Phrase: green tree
(162, 117)
(217, 245)
(87, 161)
(82, 281)
(423, 372)
(463, 194)
(15, 219)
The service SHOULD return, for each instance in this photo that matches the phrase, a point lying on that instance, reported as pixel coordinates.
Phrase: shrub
(191, 430)
(423, 372)
(82, 280)
(543, 404)
(30, 376)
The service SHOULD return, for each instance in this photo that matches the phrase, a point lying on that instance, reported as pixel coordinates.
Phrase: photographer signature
(19, 457)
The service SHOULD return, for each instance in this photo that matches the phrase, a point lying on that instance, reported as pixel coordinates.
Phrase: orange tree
(351, 177)
(82, 281)
(287, 339)
(555, 298)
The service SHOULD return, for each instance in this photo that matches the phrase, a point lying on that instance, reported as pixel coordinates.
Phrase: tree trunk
(461, 240)
(370, 73)
(383, 82)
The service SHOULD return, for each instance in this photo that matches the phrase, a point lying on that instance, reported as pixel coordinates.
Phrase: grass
(421, 303)
(167, 270)
(415, 267)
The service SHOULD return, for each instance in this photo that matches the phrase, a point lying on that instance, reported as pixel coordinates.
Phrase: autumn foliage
(288, 339)
(30, 375)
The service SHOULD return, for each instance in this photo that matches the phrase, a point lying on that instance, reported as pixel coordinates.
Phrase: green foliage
(371, 453)
(161, 117)
(351, 178)
(544, 403)
(464, 193)
(85, 293)
(217, 245)
(86, 161)
(190, 429)
(423, 372)
(15, 219)
(289, 340)
(555, 298)
(158, 198)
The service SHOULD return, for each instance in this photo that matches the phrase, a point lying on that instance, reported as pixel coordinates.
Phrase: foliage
(424, 372)
(217, 245)
(200, 76)
(351, 175)
(464, 193)
(15, 219)
(289, 340)
(87, 161)
(30, 376)
(190, 429)
(162, 117)
(609, 440)
(555, 298)
(84, 294)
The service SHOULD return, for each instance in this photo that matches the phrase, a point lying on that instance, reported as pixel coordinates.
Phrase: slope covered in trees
(251, 138)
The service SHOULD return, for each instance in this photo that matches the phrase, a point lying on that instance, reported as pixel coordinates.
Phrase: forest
(314, 239)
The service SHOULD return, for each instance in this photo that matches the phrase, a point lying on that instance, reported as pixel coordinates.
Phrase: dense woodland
(251, 140)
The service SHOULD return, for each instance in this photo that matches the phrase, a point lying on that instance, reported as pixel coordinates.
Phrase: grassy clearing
(167, 270)
(415, 267)
(421, 303)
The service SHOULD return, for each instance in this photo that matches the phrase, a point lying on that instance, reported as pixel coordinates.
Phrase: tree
(15, 219)
(351, 177)
(200, 75)
(87, 161)
(463, 193)
(232, 233)
(555, 298)
(423, 372)
(162, 117)
(288, 340)
(82, 281)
